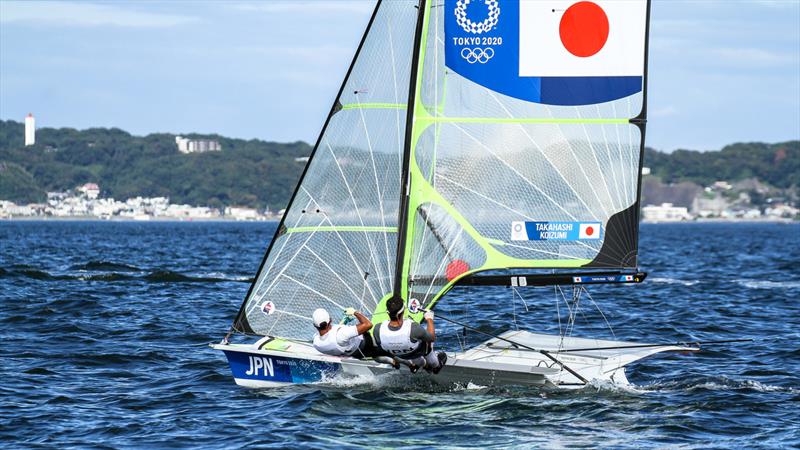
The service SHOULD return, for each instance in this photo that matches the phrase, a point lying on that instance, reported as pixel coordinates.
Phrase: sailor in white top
(408, 341)
(344, 340)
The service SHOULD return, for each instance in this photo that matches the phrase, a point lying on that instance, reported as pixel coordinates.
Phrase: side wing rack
(551, 279)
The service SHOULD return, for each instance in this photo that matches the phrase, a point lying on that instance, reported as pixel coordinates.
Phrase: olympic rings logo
(477, 54)
(469, 26)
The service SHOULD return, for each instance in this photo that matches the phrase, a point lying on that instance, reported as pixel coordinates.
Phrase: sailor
(408, 340)
(344, 340)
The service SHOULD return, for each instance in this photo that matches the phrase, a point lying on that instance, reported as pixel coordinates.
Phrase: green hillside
(775, 164)
(258, 173)
(246, 172)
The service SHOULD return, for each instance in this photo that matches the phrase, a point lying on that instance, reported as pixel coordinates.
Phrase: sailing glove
(349, 312)
(428, 315)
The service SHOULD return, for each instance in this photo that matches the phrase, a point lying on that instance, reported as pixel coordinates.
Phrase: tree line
(259, 174)
(245, 173)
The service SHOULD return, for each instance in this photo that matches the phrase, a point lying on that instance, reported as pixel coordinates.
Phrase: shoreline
(720, 220)
(277, 219)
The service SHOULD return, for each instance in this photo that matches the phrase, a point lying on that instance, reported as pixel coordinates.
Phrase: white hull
(493, 363)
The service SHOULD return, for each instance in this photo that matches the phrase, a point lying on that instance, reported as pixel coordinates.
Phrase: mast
(641, 119)
(405, 177)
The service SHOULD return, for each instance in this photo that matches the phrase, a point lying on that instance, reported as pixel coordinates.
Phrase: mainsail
(468, 136)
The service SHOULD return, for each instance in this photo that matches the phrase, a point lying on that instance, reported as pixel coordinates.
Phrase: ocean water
(105, 329)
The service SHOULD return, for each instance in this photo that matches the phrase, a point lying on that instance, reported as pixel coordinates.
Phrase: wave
(768, 284)
(106, 266)
(720, 384)
(168, 276)
(156, 276)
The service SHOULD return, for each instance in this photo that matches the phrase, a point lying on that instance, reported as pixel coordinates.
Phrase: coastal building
(186, 145)
(721, 186)
(240, 213)
(90, 190)
(782, 211)
(666, 212)
(30, 130)
(709, 206)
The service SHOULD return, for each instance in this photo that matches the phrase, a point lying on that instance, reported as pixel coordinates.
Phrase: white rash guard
(340, 340)
(398, 342)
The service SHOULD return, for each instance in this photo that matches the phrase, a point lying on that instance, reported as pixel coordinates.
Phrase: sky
(720, 71)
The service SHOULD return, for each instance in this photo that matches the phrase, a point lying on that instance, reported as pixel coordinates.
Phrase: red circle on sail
(584, 29)
(455, 268)
(589, 231)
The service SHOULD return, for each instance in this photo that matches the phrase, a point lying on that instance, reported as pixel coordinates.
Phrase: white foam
(768, 284)
(724, 384)
(224, 276)
(610, 386)
(339, 380)
(674, 281)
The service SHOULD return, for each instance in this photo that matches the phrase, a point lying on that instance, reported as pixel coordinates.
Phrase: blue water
(104, 330)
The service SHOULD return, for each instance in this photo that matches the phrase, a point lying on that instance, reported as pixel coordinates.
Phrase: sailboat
(472, 142)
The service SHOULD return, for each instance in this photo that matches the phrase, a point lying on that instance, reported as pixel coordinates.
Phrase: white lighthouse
(30, 130)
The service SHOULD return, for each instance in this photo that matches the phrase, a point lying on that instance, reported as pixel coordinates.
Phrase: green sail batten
(374, 106)
(342, 228)
(543, 120)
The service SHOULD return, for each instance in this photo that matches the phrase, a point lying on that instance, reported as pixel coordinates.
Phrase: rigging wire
(518, 344)
(611, 329)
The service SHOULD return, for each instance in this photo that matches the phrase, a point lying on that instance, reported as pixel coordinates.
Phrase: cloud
(748, 57)
(665, 111)
(309, 7)
(73, 14)
(777, 4)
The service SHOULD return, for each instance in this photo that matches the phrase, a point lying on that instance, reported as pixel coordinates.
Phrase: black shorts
(367, 349)
(422, 350)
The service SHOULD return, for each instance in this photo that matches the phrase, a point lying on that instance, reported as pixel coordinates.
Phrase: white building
(665, 213)
(239, 213)
(30, 130)
(90, 190)
(709, 207)
(186, 145)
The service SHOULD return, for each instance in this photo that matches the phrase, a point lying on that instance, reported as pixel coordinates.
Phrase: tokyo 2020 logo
(493, 10)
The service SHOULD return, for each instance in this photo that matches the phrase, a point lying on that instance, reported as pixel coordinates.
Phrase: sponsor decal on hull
(587, 279)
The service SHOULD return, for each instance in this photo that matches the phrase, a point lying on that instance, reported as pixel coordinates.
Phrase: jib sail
(336, 245)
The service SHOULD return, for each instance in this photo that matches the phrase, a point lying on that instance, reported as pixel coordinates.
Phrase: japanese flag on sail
(568, 38)
(589, 230)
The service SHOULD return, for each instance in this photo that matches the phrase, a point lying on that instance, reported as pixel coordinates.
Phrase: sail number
(258, 363)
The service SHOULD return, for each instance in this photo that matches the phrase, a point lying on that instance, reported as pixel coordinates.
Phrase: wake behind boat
(486, 142)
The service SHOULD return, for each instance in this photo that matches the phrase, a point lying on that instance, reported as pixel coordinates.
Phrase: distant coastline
(722, 220)
(764, 220)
